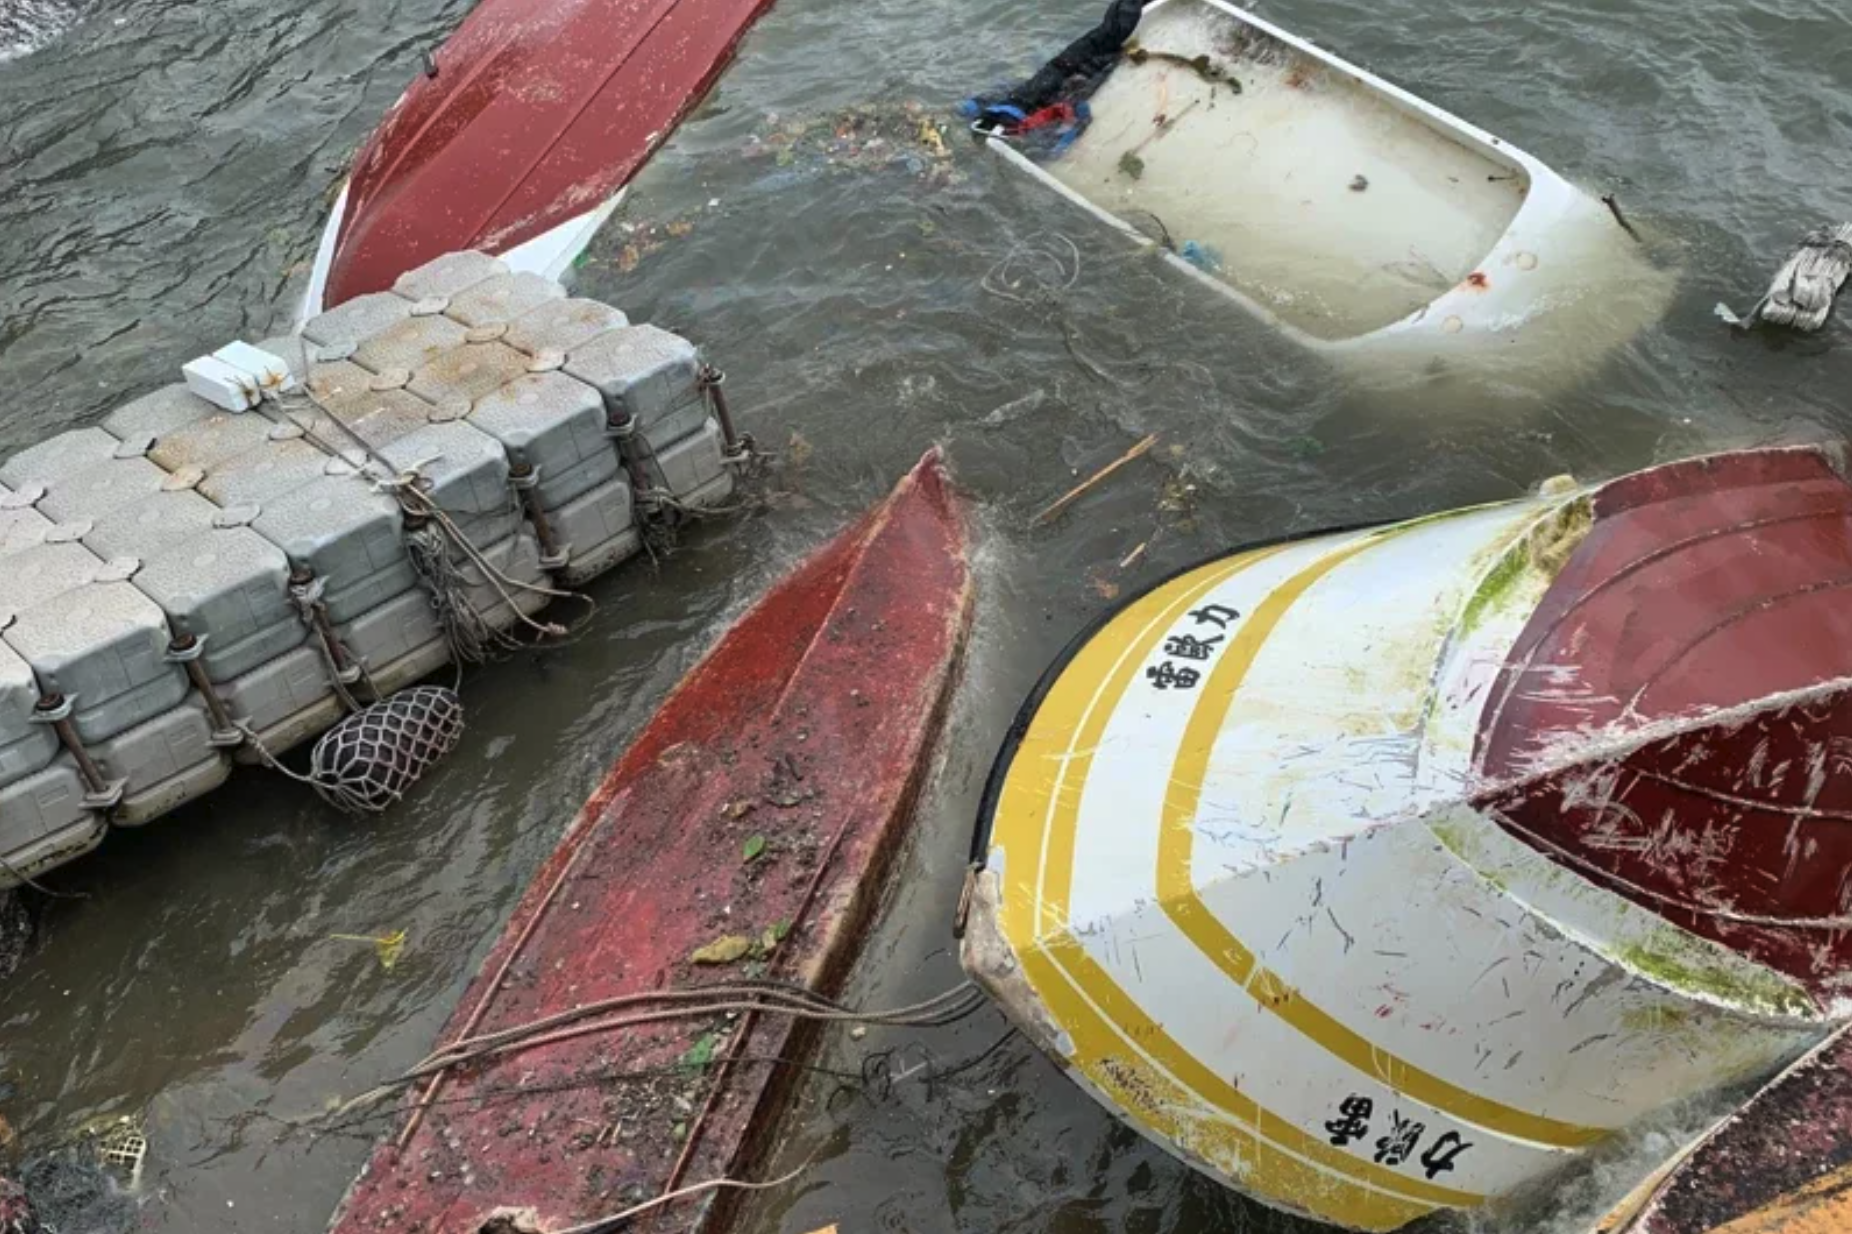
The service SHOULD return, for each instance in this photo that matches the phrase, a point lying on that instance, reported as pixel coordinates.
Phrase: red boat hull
(810, 726)
(1708, 610)
(540, 111)
(1780, 1165)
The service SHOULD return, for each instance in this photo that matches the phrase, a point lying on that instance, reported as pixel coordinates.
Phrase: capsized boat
(521, 136)
(1388, 870)
(1360, 220)
(761, 805)
(1782, 1164)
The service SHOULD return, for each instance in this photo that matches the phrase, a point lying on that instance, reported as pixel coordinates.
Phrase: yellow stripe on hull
(1105, 1023)
(1267, 753)
(1177, 893)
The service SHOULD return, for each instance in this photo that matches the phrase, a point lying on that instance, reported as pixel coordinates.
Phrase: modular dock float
(226, 567)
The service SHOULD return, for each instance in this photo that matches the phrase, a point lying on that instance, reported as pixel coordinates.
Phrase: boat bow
(522, 133)
(1388, 870)
(767, 794)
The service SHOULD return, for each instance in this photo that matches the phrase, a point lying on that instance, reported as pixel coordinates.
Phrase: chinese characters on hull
(1400, 1140)
(1191, 647)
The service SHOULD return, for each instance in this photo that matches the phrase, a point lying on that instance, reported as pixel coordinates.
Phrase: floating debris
(1015, 409)
(1202, 65)
(15, 933)
(122, 1148)
(1204, 257)
(1086, 486)
(71, 1191)
(1130, 163)
(869, 138)
(17, 1215)
(1805, 289)
(728, 949)
(388, 947)
(643, 238)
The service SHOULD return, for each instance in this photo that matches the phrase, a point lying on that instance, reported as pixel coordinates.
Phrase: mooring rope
(697, 1002)
(471, 638)
(21, 878)
(618, 1220)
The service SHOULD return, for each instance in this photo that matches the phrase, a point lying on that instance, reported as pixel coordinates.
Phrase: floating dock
(184, 586)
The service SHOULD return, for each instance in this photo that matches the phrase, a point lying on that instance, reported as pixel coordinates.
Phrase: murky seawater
(163, 170)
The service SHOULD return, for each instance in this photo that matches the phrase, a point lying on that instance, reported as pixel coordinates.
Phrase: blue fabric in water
(1204, 258)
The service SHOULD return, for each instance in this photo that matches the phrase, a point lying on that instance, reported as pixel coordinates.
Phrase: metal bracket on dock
(623, 432)
(618, 430)
(186, 650)
(55, 710)
(524, 478)
(713, 383)
(305, 592)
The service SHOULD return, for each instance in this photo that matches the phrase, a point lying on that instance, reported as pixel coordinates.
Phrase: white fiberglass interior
(1313, 194)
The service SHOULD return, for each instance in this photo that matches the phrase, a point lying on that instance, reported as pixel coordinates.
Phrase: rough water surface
(164, 166)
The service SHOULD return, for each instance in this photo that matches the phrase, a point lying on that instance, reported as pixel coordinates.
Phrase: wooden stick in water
(1085, 486)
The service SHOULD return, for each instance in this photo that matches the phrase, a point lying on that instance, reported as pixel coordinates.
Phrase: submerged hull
(770, 790)
(1780, 1165)
(521, 144)
(1389, 870)
(1359, 220)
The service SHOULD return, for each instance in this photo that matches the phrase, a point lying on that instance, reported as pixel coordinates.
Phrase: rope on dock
(409, 489)
(432, 536)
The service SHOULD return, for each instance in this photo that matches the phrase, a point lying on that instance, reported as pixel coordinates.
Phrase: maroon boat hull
(1712, 603)
(770, 790)
(539, 112)
(1780, 1165)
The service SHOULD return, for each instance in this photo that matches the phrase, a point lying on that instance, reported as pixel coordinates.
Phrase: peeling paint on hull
(1780, 1165)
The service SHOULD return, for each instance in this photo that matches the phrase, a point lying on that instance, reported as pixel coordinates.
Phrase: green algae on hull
(1668, 958)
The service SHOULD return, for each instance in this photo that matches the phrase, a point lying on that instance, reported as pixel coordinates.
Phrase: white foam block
(270, 371)
(221, 384)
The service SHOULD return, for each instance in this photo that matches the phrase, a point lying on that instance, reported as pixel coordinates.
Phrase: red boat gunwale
(811, 723)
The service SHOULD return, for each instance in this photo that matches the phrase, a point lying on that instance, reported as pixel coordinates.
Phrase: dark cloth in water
(1078, 71)
(1071, 76)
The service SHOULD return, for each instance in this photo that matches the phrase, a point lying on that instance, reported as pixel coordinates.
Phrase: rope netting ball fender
(365, 764)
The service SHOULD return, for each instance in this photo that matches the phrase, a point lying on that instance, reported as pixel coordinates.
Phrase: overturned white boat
(1388, 870)
(1358, 219)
